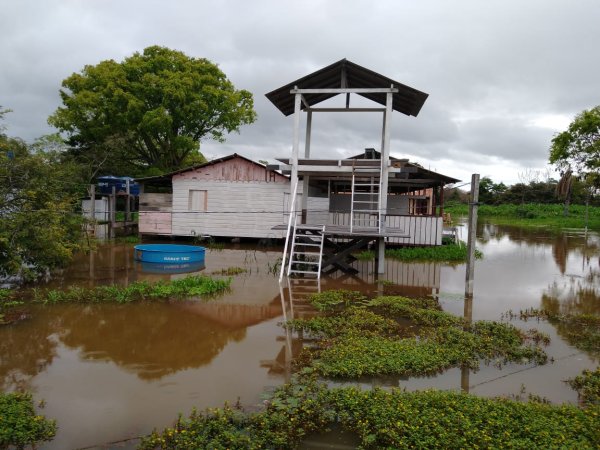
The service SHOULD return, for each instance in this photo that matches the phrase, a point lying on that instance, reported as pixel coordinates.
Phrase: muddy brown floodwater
(112, 372)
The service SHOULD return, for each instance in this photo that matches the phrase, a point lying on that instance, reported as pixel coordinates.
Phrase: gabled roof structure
(346, 74)
(167, 176)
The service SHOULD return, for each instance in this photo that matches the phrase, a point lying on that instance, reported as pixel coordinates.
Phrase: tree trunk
(567, 203)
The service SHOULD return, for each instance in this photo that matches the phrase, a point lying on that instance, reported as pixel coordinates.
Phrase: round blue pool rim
(169, 253)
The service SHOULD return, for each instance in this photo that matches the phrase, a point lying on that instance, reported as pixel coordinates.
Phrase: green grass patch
(20, 426)
(449, 252)
(534, 215)
(198, 285)
(402, 336)
(384, 419)
(587, 386)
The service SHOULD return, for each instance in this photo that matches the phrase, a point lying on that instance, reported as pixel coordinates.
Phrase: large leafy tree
(149, 111)
(576, 153)
(39, 228)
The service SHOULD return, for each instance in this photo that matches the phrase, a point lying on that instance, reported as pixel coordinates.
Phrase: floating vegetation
(587, 386)
(9, 311)
(230, 271)
(403, 336)
(450, 252)
(331, 299)
(581, 330)
(384, 419)
(20, 426)
(185, 287)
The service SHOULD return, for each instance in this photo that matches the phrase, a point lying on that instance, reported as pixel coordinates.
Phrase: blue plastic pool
(169, 253)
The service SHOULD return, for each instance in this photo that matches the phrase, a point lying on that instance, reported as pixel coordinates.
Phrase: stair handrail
(289, 228)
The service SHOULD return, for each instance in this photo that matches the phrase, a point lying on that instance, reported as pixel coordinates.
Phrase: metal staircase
(306, 251)
(365, 206)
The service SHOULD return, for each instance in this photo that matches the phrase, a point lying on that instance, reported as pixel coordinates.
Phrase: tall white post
(305, 177)
(295, 147)
(383, 189)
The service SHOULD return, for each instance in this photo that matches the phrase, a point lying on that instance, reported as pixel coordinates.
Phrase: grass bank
(534, 215)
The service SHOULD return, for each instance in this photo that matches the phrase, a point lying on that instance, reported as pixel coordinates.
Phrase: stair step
(307, 253)
(306, 244)
(373, 211)
(304, 271)
(305, 262)
(366, 184)
(309, 227)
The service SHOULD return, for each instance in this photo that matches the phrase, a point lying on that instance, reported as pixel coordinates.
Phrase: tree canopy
(149, 111)
(578, 148)
(39, 228)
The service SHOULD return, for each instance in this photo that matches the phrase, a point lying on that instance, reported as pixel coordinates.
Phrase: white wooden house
(231, 196)
(234, 196)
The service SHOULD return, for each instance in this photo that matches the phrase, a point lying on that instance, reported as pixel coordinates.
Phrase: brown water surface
(112, 372)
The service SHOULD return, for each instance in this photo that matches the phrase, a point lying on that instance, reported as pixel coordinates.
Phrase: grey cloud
(493, 63)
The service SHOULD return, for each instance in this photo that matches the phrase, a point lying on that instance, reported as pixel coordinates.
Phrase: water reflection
(152, 340)
(26, 349)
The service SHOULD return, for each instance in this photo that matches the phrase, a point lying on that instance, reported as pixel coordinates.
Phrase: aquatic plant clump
(385, 419)
(20, 426)
(334, 298)
(402, 336)
(198, 285)
(581, 330)
(587, 386)
(449, 252)
(9, 311)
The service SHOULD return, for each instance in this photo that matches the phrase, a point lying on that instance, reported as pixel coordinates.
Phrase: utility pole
(473, 204)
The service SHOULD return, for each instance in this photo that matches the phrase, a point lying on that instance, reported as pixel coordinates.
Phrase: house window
(197, 200)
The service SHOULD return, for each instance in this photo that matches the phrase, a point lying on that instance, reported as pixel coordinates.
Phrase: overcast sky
(502, 76)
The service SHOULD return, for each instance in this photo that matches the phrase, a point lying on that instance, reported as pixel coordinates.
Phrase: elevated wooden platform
(367, 232)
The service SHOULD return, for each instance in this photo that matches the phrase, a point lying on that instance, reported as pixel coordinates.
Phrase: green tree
(149, 111)
(576, 153)
(39, 228)
(490, 192)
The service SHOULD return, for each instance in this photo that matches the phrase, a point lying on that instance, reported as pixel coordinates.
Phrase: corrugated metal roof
(407, 100)
(199, 166)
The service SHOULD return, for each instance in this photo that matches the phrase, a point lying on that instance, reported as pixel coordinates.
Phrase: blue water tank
(106, 183)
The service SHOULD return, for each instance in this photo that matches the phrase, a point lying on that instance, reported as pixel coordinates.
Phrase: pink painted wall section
(235, 169)
(154, 222)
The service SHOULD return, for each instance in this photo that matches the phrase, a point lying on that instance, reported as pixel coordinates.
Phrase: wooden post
(113, 213)
(93, 203)
(128, 205)
(472, 231)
